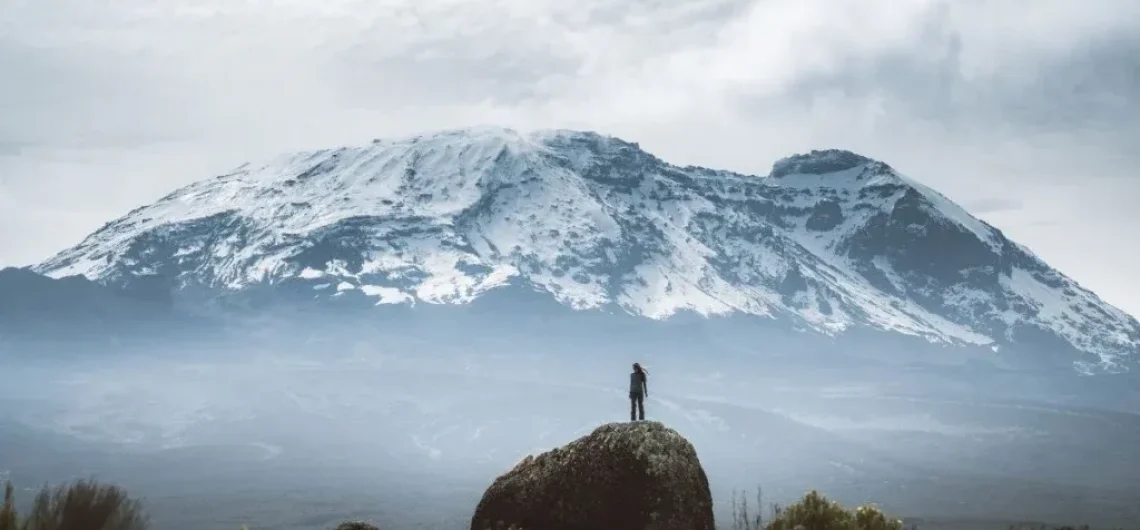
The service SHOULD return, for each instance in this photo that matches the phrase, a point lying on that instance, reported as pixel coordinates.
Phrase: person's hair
(637, 368)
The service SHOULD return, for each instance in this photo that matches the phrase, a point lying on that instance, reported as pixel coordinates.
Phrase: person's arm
(645, 384)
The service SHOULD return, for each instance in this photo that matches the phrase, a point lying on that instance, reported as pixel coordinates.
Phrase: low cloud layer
(1027, 114)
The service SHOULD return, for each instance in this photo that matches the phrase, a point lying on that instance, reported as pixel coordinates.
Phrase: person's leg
(632, 407)
(641, 407)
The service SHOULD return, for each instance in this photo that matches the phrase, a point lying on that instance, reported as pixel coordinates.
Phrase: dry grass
(742, 516)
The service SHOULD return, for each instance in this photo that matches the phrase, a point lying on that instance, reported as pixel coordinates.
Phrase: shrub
(871, 518)
(815, 512)
(85, 504)
(8, 519)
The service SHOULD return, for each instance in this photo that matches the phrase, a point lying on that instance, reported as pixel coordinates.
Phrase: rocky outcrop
(622, 476)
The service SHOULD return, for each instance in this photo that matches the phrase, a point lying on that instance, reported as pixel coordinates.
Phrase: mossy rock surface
(622, 476)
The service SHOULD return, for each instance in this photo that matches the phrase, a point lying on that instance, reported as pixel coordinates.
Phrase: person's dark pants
(636, 404)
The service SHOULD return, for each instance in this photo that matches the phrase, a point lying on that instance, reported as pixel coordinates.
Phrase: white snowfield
(830, 239)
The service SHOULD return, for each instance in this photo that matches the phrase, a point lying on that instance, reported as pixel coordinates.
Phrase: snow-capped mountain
(829, 240)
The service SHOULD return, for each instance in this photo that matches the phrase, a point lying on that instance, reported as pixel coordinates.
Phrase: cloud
(106, 105)
(188, 69)
(992, 205)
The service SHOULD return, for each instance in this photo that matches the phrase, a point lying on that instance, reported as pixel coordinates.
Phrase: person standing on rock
(638, 391)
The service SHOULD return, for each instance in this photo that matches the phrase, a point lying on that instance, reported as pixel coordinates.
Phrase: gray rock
(622, 476)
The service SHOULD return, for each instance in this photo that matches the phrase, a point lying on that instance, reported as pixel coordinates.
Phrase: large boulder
(622, 476)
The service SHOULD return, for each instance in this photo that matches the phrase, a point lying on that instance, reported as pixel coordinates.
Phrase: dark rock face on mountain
(77, 316)
(622, 476)
(31, 302)
(831, 242)
(818, 163)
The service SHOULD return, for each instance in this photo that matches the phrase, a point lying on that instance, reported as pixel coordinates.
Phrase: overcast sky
(1025, 112)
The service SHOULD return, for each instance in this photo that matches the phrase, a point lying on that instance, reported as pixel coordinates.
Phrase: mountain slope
(828, 241)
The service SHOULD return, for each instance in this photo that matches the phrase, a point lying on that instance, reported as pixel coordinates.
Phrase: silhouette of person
(638, 391)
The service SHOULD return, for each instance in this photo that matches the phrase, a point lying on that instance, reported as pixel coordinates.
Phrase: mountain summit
(829, 240)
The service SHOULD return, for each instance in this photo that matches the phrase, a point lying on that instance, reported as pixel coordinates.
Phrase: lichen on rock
(622, 476)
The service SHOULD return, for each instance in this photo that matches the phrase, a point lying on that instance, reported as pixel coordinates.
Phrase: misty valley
(305, 436)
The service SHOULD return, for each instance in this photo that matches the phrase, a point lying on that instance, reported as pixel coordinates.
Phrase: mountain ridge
(830, 239)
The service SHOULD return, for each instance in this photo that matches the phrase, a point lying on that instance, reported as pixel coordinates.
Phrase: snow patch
(386, 295)
(310, 274)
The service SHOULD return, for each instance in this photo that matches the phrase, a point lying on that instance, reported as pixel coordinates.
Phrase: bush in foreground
(8, 518)
(82, 504)
(814, 512)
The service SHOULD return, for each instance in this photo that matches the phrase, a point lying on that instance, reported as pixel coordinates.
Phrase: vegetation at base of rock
(108, 507)
(82, 504)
